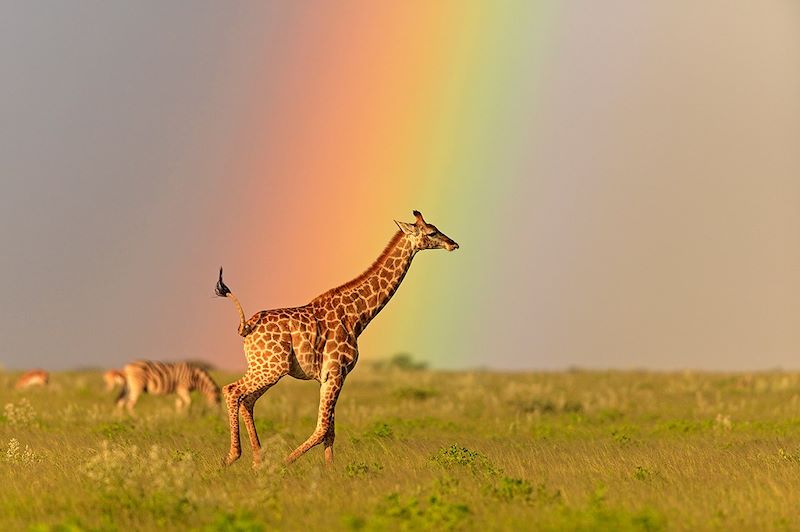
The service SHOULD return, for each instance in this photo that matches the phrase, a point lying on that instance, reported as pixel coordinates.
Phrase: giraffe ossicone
(319, 340)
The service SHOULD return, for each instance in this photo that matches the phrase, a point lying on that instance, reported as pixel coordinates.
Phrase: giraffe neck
(360, 300)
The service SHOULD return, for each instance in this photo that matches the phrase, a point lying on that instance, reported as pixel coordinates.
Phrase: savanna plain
(415, 449)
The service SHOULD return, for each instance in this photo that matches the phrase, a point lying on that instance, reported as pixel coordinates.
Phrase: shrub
(642, 473)
(362, 469)
(417, 394)
(235, 522)
(113, 429)
(609, 414)
(456, 455)
(70, 525)
(540, 406)
(16, 455)
(789, 456)
(402, 362)
(547, 406)
(509, 489)
(413, 513)
(621, 437)
(597, 515)
(685, 426)
(21, 414)
(156, 481)
(379, 430)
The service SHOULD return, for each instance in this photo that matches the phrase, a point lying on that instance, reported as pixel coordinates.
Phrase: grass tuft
(579, 450)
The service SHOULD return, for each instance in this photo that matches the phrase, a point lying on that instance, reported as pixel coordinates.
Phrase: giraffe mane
(366, 274)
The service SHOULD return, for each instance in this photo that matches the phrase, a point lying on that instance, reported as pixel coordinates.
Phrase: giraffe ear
(407, 228)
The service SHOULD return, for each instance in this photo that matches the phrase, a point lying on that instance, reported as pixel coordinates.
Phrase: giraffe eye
(433, 233)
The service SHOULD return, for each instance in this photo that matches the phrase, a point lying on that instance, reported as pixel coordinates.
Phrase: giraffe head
(426, 236)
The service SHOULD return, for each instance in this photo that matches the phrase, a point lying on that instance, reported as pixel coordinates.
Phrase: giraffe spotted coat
(319, 340)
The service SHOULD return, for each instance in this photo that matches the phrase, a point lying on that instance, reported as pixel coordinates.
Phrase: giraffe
(318, 340)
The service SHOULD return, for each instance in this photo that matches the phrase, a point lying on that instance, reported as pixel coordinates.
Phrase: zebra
(161, 378)
(113, 378)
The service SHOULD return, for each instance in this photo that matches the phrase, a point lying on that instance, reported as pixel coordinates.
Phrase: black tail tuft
(221, 289)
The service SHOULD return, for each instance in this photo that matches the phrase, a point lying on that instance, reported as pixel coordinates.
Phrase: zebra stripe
(162, 378)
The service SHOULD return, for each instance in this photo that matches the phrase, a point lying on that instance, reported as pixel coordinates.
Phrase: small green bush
(510, 489)
(235, 522)
(642, 473)
(455, 455)
(402, 362)
(362, 469)
(417, 394)
(432, 513)
(113, 429)
(379, 430)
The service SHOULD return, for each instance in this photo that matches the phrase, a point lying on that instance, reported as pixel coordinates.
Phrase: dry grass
(417, 450)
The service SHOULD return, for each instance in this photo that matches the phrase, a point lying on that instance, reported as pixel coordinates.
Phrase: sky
(623, 179)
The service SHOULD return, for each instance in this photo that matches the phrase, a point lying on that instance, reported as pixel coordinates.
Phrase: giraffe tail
(222, 290)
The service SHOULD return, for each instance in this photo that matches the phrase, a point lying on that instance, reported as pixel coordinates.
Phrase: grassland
(416, 450)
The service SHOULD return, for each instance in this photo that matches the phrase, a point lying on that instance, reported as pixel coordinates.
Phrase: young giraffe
(319, 340)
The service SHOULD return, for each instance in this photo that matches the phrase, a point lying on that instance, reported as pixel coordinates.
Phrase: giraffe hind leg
(241, 400)
(264, 369)
(233, 397)
(246, 408)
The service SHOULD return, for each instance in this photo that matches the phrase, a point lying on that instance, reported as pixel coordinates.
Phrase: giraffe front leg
(233, 397)
(329, 392)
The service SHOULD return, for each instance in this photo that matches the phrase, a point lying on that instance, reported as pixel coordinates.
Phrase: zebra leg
(133, 396)
(122, 398)
(184, 399)
(328, 393)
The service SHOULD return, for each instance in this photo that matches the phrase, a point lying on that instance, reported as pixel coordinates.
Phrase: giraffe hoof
(228, 460)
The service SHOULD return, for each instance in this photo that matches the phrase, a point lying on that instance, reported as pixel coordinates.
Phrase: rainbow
(368, 114)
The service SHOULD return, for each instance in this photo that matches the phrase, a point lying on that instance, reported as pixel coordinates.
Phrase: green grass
(416, 449)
